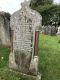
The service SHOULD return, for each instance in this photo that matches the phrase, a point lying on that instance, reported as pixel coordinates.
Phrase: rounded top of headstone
(5, 14)
(27, 14)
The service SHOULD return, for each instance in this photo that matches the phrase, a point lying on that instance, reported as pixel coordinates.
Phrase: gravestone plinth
(25, 26)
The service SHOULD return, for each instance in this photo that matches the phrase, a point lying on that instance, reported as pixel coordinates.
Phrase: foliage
(52, 15)
(49, 11)
(35, 3)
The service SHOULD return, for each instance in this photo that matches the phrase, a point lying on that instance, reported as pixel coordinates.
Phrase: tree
(35, 3)
(50, 12)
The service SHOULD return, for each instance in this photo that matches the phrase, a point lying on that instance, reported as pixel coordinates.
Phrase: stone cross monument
(25, 26)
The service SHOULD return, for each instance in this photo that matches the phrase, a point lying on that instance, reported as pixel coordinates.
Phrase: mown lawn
(49, 57)
(49, 60)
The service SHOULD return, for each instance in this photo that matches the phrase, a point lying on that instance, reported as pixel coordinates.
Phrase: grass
(49, 57)
(4, 56)
(49, 60)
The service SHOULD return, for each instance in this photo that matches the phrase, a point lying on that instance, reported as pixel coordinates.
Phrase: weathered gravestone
(58, 33)
(49, 30)
(25, 26)
(4, 29)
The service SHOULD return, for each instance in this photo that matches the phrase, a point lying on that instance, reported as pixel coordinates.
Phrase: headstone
(58, 30)
(25, 26)
(4, 29)
(53, 30)
(49, 30)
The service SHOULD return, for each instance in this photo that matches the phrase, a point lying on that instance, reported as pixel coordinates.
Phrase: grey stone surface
(49, 30)
(34, 65)
(24, 23)
(12, 63)
(58, 32)
(4, 29)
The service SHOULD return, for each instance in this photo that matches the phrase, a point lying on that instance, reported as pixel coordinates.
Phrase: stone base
(57, 34)
(33, 69)
(26, 76)
(38, 77)
(12, 63)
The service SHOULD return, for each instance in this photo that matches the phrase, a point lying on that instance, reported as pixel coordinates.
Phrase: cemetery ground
(49, 60)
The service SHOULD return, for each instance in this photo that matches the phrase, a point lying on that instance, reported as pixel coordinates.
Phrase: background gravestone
(25, 26)
(4, 29)
(49, 30)
(58, 33)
